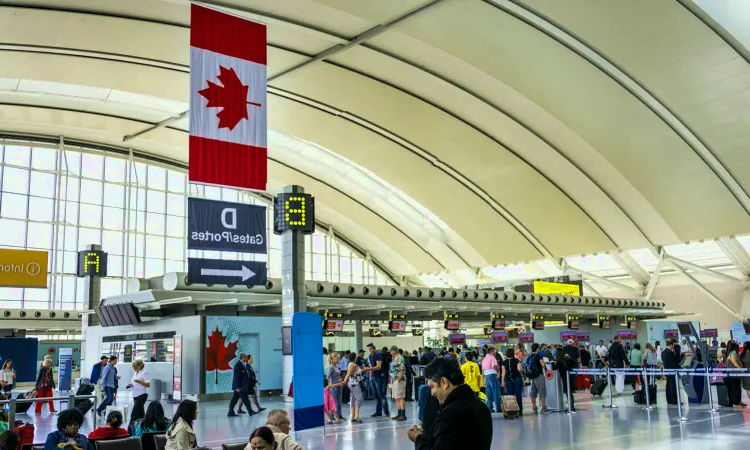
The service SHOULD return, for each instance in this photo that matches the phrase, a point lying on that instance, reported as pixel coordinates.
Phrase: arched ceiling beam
(536, 20)
(720, 31)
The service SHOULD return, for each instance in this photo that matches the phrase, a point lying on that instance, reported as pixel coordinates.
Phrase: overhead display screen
(584, 336)
(452, 324)
(710, 333)
(92, 262)
(565, 335)
(670, 333)
(499, 336)
(525, 337)
(334, 325)
(294, 212)
(398, 326)
(457, 339)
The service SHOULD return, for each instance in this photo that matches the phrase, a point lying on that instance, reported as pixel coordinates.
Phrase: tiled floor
(628, 426)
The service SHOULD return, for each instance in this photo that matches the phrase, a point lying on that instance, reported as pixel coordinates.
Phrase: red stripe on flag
(229, 35)
(227, 163)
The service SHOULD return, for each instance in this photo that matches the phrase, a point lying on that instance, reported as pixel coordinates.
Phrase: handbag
(45, 381)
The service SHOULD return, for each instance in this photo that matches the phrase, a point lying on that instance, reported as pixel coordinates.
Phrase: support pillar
(293, 291)
(358, 337)
(92, 294)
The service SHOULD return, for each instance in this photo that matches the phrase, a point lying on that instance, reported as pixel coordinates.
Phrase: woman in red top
(112, 429)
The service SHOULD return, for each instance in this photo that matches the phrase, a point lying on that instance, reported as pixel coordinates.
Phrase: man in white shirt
(601, 353)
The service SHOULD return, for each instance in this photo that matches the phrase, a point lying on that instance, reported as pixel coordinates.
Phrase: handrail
(71, 399)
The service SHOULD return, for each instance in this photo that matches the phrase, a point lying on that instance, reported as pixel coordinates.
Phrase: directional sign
(23, 268)
(218, 271)
(234, 227)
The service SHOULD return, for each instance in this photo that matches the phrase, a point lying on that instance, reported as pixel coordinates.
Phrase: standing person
(414, 358)
(409, 375)
(141, 382)
(334, 378)
(254, 383)
(563, 364)
(745, 361)
(512, 379)
(180, 435)
(376, 381)
(472, 374)
(427, 357)
(670, 361)
(329, 404)
(463, 421)
(8, 376)
(636, 361)
(734, 386)
(491, 372)
(241, 386)
(326, 362)
(398, 386)
(45, 383)
(96, 371)
(353, 379)
(546, 351)
(108, 384)
(618, 359)
(572, 351)
(601, 353)
(362, 359)
(649, 359)
(534, 370)
(714, 342)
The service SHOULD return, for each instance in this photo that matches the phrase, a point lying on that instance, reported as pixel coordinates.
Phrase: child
(3, 422)
(329, 404)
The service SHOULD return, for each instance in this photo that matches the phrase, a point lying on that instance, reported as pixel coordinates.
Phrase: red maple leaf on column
(218, 356)
(231, 96)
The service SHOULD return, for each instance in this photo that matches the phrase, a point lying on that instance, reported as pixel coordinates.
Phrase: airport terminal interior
(437, 211)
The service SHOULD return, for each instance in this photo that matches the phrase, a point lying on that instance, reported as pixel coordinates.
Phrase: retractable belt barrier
(71, 399)
(708, 373)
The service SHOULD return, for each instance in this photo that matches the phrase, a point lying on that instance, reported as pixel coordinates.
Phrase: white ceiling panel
(668, 173)
(680, 59)
(513, 183)
(469, 216)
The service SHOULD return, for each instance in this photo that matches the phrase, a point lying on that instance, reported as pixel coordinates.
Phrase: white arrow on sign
(245, 273)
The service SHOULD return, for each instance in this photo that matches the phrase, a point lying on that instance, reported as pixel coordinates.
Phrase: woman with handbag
(7, 376)
(45, 383)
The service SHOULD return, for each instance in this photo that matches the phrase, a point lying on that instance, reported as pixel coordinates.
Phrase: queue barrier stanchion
(609, 384)
(712, 409)
(570, 396)
(679, 397)
(646, 385)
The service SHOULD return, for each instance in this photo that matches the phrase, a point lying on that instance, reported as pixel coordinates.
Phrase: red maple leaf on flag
(218, 356)
(231, 96)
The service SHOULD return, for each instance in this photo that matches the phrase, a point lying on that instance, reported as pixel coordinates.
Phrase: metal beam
(704, 289)
(654, 280)
(736, 252)
(359, 39)
(631, 266)
(588, 286)
(611, 283)
(714, 273)
(161, 124)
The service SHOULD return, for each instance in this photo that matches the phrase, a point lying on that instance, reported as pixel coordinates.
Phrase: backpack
(385, 368)
(531, 367)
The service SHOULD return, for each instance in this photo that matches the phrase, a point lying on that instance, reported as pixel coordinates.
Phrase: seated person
(262, 439)
(154, 422)
(113, 428)
(67, 435)
(278, 422)
(3, 422)
(180, 435)
(9, 440)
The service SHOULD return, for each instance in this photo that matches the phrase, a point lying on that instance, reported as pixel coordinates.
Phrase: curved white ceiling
(531, 129)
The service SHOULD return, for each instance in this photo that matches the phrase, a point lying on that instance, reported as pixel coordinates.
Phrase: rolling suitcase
(21, 408)
(510, 407)
(598, 386)
(84, 406)
(583, 382)
(722, 395)
(418, 381)
(26, 433)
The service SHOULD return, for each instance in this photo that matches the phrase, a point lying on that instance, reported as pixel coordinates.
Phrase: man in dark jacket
(618, 359)
(427, 356)
(671, 361)
(241, 386)
(96, 371)
(460, 410)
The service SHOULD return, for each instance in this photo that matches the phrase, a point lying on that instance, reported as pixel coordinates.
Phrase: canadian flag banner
(228, 124)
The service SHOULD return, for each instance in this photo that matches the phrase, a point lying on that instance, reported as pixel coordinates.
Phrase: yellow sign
(544, 287)
(23, 268)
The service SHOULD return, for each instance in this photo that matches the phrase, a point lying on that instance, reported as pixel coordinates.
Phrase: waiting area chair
(148, 441)
(128, 443)
(240, 446)
(160, 440)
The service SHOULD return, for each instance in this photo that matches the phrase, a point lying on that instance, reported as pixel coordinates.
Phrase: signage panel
(218, 271)
(23, 268)
(294, 212)
(544, 287)
(92, 262)
(234, 227)
(526, 337)
(65, 369)
(583, 337)
(565, 335)
(177, 369)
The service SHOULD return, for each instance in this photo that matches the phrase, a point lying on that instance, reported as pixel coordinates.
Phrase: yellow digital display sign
(294, 212)
(23, 268)
(92, 262)
(544, 287)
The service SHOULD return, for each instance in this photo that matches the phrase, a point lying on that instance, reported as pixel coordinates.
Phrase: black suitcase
(418, 381)
(84, 389)
(21, 408)
(640, 396)
(84, 406)
(345, 395)
(598, 386)
(722, 395)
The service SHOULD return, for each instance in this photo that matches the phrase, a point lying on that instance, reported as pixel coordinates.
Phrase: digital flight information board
(294, 212)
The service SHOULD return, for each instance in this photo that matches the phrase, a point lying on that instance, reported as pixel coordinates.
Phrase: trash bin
(154, 391)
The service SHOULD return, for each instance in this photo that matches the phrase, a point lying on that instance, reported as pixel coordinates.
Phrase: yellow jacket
(472, 375)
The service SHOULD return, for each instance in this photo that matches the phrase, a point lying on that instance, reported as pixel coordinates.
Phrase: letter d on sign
(232, 224)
